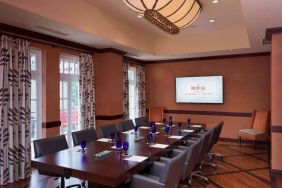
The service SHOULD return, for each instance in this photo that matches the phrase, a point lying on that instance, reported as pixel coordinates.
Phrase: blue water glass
(83, 145)
(135, 129)
(167, 129)
(170, 120)
(113, 136)
(188, 122)
(118, 140)
(118, 143)
(125, 147)
(154, 129)
(179, 125)
(150, 137)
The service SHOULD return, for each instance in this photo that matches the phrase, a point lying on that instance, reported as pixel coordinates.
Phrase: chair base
(198, 174)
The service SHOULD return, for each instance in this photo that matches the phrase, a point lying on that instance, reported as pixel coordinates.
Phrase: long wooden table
(111, 170)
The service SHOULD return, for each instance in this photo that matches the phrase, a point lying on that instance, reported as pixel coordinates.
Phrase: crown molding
(269, 32)
(54, 41)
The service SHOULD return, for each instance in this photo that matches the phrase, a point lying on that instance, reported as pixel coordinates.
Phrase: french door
(69, 96)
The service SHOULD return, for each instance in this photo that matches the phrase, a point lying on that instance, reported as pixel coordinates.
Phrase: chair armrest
(157, 168)
(164, 159)
(183, 147)
(139, 181)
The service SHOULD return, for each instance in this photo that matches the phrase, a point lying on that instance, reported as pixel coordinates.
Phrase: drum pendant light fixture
(169, 15)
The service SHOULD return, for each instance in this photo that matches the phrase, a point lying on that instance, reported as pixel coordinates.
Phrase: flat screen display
(204, 89)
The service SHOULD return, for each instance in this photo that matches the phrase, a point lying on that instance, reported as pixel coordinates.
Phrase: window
(69, 95)
(36, 96)
(132, 97)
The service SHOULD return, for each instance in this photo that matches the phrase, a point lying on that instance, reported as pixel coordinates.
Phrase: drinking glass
(83, 145)
(164, 121)
(125, 148)
(170, 121)
(113, 136)
(135, 130)
(154, 129)
(167, 129)
(188, 122)
(179, 125)
(150, 137)
(118, 140)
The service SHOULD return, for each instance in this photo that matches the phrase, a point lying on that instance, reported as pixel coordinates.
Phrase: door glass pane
(33, 62)
(35, 95)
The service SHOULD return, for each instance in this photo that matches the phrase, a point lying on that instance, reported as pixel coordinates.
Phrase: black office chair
(203, 152)
(88, 135)
(51, 145)
(191, 159)
(141, 121)
(218, 131)
(165, 173)
(106, 130)
(126, 125)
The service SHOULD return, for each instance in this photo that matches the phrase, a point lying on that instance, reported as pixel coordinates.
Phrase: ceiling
(239, 26)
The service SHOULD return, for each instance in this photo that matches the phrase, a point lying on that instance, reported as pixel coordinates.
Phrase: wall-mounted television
(202, 89)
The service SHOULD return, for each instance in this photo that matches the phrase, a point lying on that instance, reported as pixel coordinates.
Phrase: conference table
(111, 170)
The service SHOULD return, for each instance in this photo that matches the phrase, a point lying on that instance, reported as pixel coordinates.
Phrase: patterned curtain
(125, 90)
(15, 82)
(86, 91)
(140, 90)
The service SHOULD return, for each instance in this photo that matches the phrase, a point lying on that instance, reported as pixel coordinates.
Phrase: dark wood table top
(111, 170)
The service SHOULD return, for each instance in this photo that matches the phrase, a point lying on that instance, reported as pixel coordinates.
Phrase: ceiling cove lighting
(169, 15)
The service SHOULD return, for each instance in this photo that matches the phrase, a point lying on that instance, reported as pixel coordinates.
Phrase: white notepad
(136, 158)
(176, 137)
(159, 146)
(104, 140)
(144, 127)
(187, 130)
(196, 126)
(168, 125)
(128, 132)
(114, 147)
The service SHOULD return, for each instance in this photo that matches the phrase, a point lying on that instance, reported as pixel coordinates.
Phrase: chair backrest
(261, 121)
(106, 130)
(87, 134)
(205, 146)
(191, 159)
(156, 114)
(50, 145)
(126, 125)
(141, 121)
(219, 129)
(172, 172)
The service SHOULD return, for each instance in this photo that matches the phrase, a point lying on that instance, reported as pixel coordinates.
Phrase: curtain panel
(140, 90)
(140, 104)
(125, 103)
(86, 91)
(15, 83)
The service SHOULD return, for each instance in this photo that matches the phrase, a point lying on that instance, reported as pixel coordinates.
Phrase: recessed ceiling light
(215, 1)
(211, 21)
(139, 15)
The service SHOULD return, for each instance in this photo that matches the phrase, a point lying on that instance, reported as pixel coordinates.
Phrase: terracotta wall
(276, 111)
(108, 86)
(50, 84)
(246, 88)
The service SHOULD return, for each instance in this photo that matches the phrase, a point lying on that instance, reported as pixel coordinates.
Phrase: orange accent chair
(156, 114)
(259, 130)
